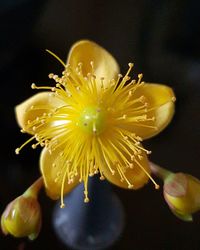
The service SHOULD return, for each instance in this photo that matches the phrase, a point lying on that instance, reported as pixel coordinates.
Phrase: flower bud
(22, 216)
(181, 192)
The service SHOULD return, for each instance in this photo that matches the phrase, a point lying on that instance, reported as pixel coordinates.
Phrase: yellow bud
(22, 216)
(182, 194)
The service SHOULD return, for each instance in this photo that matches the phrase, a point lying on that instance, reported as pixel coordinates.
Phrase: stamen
(80, 65)
(17, 150)
(92, 66)
(139, 78)
(62, 205)
(33, 86)
(173, 98)
(102, 82)
(123, 176)
(156, 185)
(94, 129)
(86, 200)
(54, 55)
(118, 79)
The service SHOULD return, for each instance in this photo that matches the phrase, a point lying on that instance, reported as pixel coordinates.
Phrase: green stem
(161, 173)
(34, 188)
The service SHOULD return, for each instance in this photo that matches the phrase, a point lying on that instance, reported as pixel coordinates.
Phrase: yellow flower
(93, 121)
(22, 216)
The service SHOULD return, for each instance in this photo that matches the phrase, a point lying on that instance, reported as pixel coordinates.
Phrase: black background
(162, 38)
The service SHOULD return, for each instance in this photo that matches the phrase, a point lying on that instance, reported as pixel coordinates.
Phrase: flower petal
(50, 174)
(34, 107)
(160, 99)
(136, 175)
(86, 51)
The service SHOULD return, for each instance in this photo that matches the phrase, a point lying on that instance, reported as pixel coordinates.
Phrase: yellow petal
(135, 176)
(86, 51)
(34, 107)
(51, 173)
(160, 99)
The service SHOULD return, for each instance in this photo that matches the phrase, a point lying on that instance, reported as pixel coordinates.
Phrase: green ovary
(92, 120)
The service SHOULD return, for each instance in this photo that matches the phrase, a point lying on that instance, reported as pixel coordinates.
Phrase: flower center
(92, 120)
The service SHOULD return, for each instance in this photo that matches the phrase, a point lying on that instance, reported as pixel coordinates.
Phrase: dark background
(162, 38)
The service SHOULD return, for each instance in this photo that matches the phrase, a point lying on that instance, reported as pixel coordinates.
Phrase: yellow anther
(34, 146)
(51, 75)
(86, 200)
(33, 86)
(130, 186)
(173, 99)
(62, 205)
(17, 151)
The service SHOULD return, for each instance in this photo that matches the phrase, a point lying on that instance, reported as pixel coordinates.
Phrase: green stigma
(92, 120)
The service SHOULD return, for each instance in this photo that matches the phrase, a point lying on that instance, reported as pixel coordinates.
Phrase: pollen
(93, 127)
